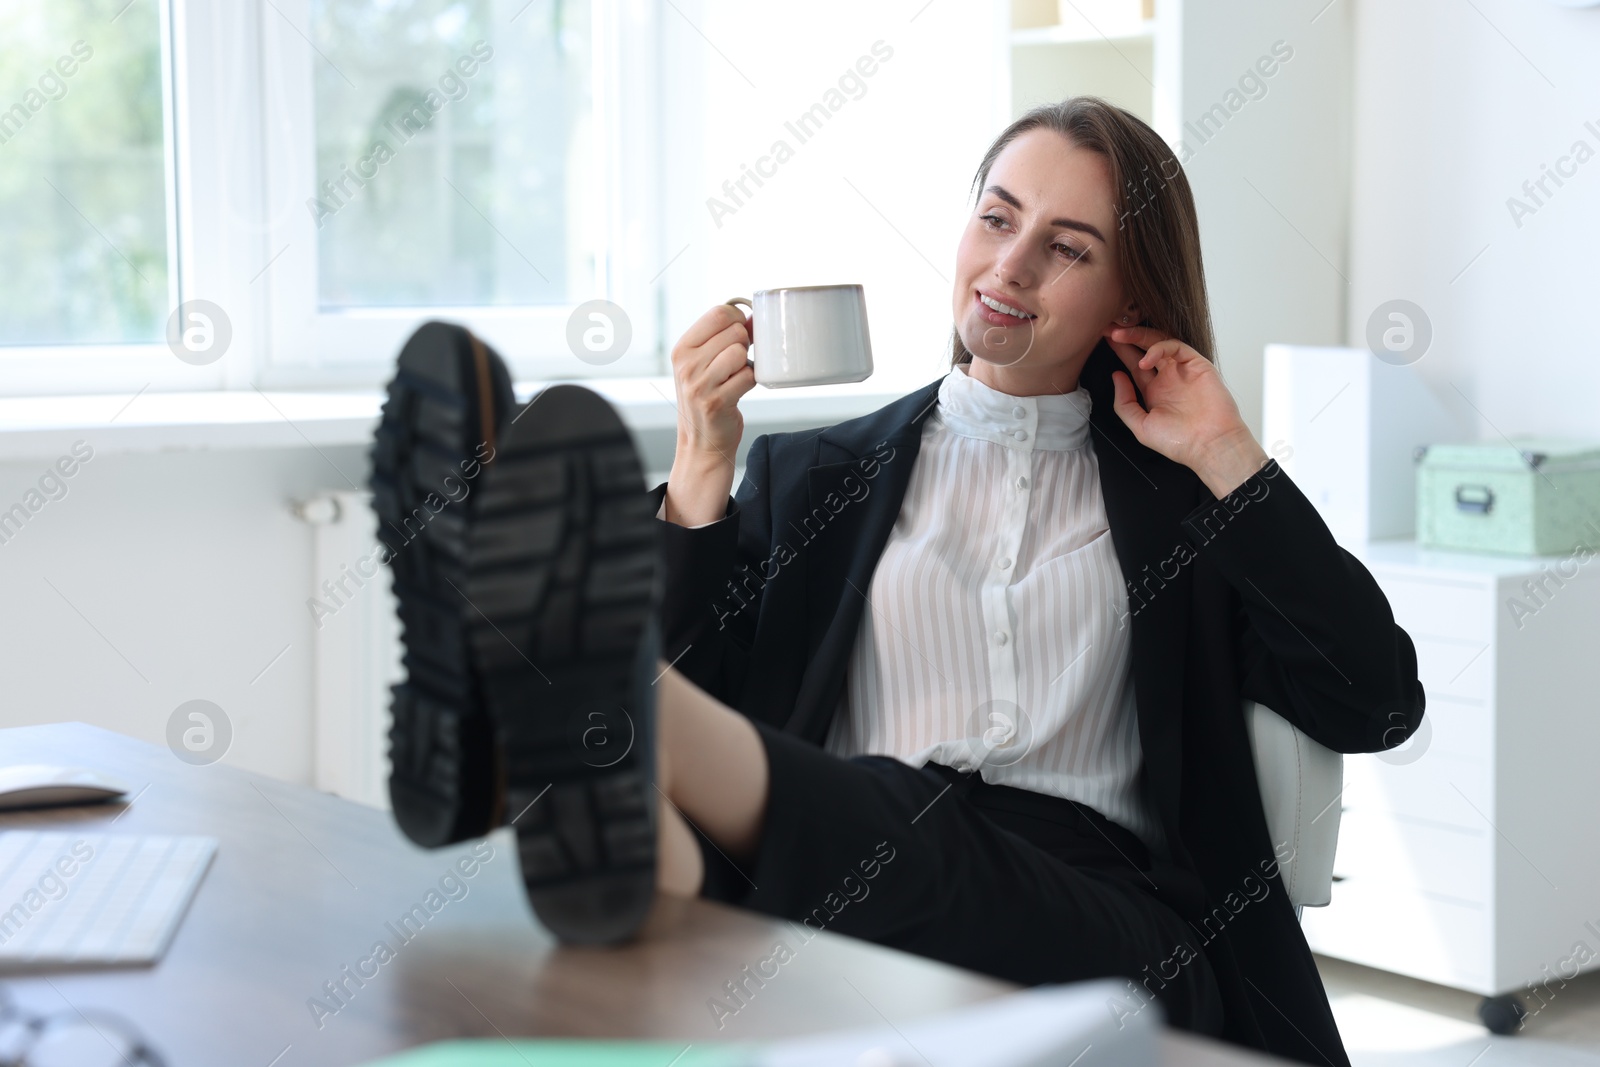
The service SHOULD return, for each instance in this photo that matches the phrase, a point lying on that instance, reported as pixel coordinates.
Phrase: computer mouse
(41, 785)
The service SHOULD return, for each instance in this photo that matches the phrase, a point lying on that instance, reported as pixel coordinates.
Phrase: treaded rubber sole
(564, 577)
(426, 461)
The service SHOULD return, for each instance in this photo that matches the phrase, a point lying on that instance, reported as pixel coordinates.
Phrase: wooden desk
(304, 884)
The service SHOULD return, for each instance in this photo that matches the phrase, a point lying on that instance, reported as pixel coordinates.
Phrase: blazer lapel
(1146, 498)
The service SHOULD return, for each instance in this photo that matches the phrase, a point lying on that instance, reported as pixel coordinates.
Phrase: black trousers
(1016, 884)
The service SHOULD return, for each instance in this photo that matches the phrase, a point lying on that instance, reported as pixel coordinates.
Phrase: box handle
(1468, 499)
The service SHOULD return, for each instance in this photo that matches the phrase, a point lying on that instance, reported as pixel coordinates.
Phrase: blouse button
(1021, 435)
(1022, 481)
(1019, 412)
(999, 637)
(1004, 562)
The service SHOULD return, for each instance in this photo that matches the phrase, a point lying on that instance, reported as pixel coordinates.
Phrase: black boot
(531, 632)
(565, 562)
(449, 398)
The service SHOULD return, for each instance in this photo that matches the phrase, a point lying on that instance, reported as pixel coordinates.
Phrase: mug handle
(747, 303)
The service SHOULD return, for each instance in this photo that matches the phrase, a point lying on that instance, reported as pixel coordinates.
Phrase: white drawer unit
(1471, 855)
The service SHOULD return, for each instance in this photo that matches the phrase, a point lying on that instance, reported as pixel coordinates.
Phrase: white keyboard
(83, 899)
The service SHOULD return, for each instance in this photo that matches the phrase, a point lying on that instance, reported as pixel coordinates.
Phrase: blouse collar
(1055, 421)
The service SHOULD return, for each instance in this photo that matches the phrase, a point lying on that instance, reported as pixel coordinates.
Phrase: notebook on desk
(94, 899)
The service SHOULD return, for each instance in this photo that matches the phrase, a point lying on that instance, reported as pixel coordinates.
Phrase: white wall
(1456, 106)
(1272, 185)
(878, 196)
(190, 574)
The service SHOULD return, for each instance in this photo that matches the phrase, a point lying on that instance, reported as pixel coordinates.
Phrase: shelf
(1037, 35)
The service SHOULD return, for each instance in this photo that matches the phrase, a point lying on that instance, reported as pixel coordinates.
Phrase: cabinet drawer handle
(1478, 499)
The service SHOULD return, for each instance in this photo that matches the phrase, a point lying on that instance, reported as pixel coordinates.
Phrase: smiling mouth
(1004, 309)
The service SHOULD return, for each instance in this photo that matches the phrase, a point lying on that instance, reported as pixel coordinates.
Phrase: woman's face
(1042, 241)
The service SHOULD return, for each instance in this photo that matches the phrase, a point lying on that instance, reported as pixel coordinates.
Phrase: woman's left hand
(1188, 414)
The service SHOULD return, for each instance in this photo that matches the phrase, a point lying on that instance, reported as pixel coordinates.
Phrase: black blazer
(1248, 598)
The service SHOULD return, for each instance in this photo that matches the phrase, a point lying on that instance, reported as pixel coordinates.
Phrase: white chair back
(1301, 783)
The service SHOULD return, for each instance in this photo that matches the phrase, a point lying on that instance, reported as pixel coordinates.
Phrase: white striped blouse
(997, 636)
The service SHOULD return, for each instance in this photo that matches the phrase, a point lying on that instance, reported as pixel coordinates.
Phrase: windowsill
(46, 427)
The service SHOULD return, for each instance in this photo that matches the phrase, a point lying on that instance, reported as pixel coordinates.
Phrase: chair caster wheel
(1502, 1014)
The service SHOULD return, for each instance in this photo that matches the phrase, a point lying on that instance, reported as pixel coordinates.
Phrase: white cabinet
(1471, 855)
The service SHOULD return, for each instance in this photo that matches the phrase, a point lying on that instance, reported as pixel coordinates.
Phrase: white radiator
(356, 648)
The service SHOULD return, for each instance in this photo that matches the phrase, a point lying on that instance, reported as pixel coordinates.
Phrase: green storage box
(1532, 497)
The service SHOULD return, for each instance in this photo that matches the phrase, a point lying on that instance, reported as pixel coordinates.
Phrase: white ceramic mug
(809, 335)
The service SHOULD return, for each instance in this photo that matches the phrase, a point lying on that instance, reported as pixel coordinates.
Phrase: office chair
(1301, 782)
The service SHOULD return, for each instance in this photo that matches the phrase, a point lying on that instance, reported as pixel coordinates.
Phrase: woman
(963, 676)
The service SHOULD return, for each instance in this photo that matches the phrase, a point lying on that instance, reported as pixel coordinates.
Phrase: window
(85, 186)
(324, 175)
(451, 171)
(455, 159)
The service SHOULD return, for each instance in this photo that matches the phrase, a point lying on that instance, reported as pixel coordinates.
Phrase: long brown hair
(1160, 243)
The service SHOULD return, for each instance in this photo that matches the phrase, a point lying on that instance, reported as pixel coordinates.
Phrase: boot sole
(563, 578)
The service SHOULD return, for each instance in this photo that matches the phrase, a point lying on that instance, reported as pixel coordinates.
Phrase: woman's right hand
(710, 373)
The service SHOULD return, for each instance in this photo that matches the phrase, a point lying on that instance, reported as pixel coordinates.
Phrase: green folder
(570, 1053)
